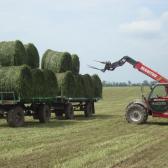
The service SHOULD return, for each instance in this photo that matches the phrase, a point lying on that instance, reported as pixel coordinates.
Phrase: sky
(104, 30)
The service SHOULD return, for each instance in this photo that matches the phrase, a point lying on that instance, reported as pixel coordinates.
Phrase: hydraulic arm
(137, 65)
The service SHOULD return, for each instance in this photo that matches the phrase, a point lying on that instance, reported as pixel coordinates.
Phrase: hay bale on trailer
(88, 86)
(51, 84)
(66, 84)
(38, 89)
(79, 83)
(58, 62)
(97, 85)
(12, 53)
(16, 79)
(32, 55)
(75, 64)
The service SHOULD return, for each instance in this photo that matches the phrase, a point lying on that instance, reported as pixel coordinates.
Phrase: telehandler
(156, 104)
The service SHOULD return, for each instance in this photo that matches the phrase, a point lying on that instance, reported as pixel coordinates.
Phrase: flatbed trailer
(14, 109)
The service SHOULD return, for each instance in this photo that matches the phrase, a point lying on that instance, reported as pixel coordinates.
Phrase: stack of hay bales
(20, 71)
(66, 68)
(59, 76)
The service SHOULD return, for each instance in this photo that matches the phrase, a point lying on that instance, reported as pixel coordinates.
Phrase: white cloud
(141, 26)
(153, 26)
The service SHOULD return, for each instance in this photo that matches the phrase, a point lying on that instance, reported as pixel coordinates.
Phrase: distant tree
(145, 83)
(129, 83)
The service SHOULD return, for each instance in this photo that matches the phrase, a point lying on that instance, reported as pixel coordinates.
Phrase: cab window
(159, 91)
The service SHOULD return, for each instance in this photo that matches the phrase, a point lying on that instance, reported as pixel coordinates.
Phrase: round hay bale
(16, 79)
(97, 84)
(66, 84)
(38, 89)
(75, 64)
(32, 55)
(12, 53)
(88, 86)
(58, 62)
(51, 84)
(79, 83)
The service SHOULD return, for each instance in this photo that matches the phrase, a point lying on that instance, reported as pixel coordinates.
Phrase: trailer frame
(14, 108)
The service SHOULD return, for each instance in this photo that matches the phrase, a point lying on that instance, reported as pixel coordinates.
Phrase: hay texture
(97, 86)
(79, 86)
(32, 55)
(12, 53)
(88, 86)
(38, 89)
(58, 62)
(66, 84)
(75, 64)
(51, 84)
(16, 79)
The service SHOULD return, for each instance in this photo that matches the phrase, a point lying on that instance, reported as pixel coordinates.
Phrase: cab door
(158, 99)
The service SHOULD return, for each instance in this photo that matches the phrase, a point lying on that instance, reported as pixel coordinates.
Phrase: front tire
(136, 113)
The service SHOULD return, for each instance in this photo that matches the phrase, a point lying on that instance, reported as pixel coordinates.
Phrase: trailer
(14, 109)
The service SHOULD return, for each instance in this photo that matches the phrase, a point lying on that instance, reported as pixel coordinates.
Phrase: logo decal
(149, 72)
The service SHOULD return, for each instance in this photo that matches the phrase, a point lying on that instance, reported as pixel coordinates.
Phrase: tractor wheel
(88, 111)
(15, 117)
(136, 114)
(44, 113)
(69, 112)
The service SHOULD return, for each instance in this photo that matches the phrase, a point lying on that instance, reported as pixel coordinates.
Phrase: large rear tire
(44, 113)
(15, 117)
(136, 113)
(69, 112)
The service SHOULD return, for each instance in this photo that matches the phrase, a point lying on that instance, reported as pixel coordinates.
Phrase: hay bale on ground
(32, 55)
(88, 86)
(38, 89)
(17, 79)
(97, 84)
(66, 84)
(12, 53)
(75, 64)
(79, 83)
(58, 62)
(51, 84)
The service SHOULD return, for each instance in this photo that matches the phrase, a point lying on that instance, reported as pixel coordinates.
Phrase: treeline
(129, 83)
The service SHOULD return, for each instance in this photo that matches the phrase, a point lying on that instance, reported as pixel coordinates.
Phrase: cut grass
(106, 140)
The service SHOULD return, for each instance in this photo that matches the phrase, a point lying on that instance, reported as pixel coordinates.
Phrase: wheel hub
(135, 116)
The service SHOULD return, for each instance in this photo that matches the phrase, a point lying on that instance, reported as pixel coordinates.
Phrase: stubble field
(104, 141)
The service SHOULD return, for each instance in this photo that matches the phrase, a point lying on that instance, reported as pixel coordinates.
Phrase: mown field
(104, 141)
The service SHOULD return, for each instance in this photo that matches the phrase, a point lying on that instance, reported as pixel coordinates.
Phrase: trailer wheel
(69, 112)
(59, 115)
(93, 108)
(88, 110)
(136, 114)
(15, 117)
(44, 113)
